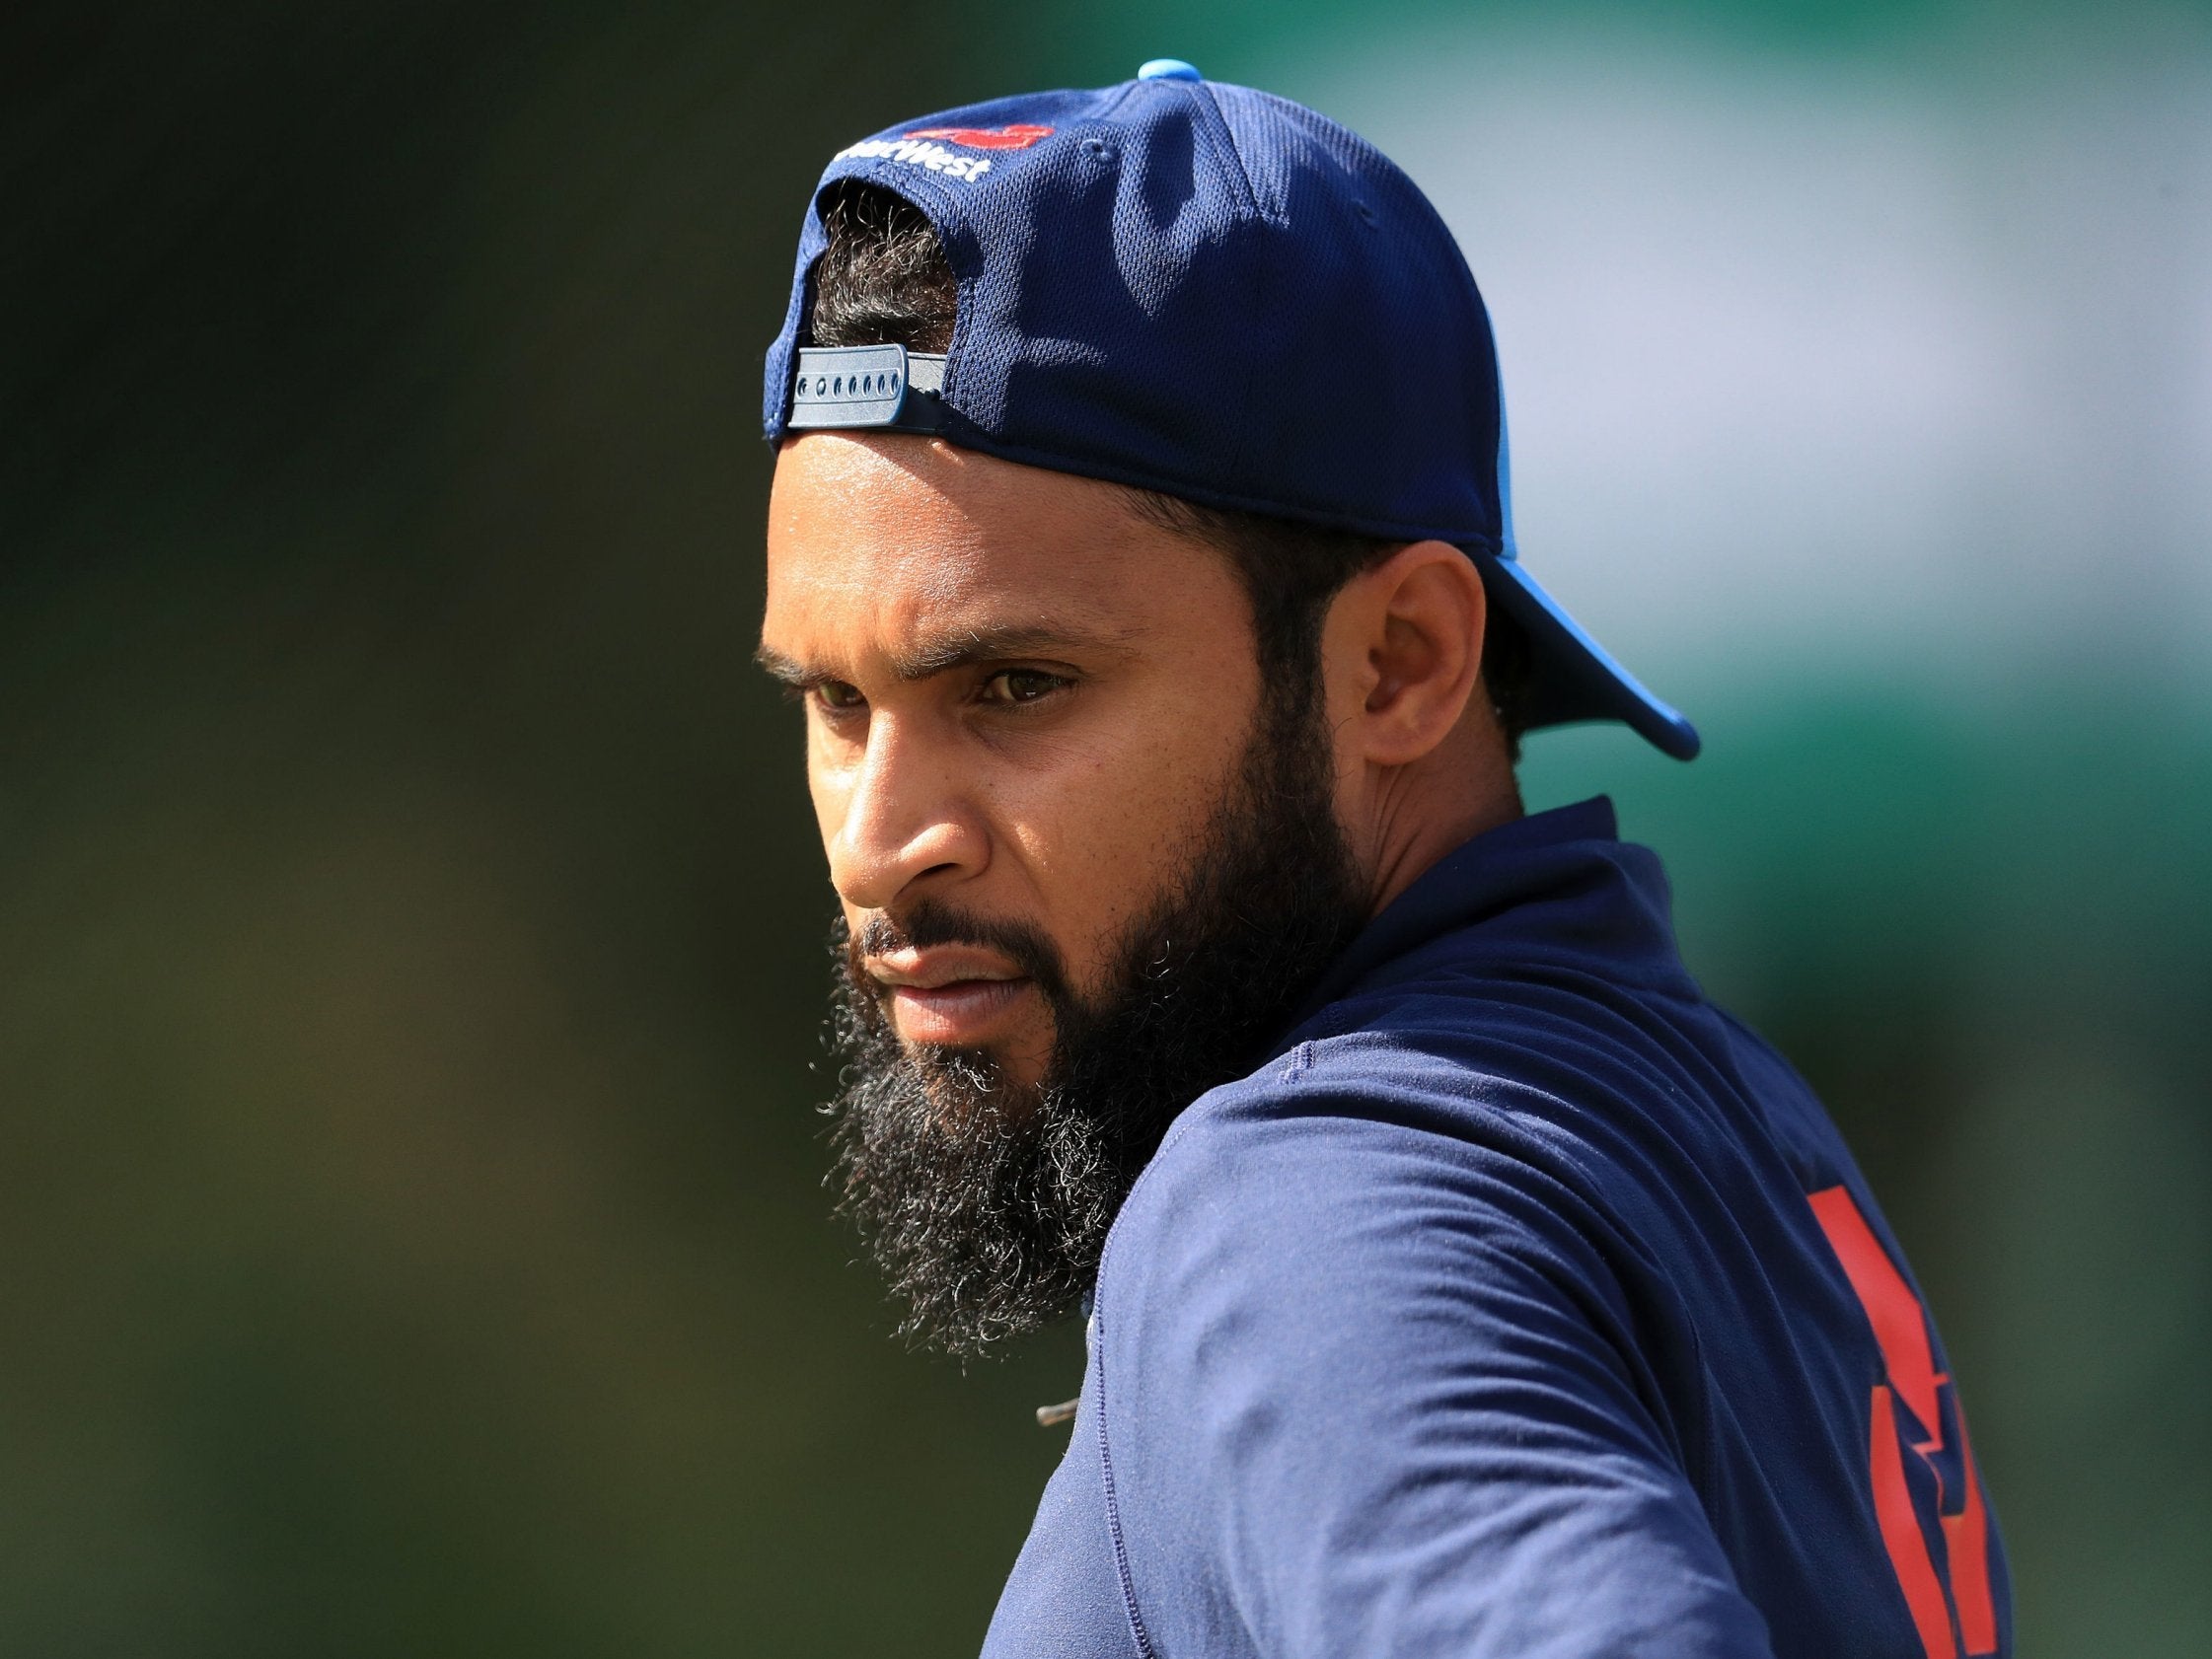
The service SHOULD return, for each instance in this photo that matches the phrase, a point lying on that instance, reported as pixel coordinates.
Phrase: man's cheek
(1099, 832)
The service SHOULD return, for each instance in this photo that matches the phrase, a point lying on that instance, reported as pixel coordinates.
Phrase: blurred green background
(411, 960)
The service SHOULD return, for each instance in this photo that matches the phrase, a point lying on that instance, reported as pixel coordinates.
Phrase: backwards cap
(1217, 294)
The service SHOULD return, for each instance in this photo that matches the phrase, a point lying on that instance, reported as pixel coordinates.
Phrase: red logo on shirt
(1018, 136)
(1915, 1412)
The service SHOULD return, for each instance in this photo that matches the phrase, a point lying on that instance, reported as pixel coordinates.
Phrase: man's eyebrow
(789, 670)
(963, 649)
(991, 644)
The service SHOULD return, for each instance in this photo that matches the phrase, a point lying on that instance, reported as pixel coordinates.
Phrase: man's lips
(953, 996)
(962, 1015)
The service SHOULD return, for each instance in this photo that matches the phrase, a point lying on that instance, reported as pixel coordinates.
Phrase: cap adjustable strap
(885, 386)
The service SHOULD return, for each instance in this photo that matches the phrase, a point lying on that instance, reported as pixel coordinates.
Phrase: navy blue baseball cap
(1214, 293)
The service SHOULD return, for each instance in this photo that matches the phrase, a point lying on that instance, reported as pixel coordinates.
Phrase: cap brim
(1571, 675)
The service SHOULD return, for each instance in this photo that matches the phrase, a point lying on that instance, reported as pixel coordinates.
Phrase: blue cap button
(1169, 69)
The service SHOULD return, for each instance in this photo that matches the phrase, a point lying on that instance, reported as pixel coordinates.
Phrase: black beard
(986, 1204)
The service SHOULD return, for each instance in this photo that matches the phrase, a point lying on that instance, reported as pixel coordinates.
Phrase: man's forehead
(909, 551)
(856, 507)
(911, 602)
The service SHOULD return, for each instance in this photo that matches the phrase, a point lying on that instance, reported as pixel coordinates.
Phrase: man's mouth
(953, 996)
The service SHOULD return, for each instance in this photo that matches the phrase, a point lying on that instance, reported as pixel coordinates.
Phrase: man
(1461, 1281)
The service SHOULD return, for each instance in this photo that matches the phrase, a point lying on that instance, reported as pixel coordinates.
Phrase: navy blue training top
(1523, 1303)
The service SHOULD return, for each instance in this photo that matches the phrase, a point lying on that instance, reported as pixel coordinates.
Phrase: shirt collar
(1556, 886)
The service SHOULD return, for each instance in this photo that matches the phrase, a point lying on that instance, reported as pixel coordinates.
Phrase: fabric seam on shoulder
(1130, 1610)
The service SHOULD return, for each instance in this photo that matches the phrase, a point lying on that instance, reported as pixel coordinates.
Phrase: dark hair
(884, 280)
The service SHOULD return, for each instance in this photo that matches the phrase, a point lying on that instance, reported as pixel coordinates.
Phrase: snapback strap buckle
(867, 386)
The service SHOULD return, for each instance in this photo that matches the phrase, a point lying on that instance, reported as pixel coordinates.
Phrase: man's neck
(1415, 815)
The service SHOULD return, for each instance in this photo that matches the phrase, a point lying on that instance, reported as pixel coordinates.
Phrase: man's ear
(1402, 650)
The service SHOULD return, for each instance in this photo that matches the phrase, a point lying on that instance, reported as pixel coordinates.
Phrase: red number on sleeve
(1910, 1412)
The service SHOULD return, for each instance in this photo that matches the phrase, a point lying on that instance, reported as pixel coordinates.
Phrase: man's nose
(905, 818)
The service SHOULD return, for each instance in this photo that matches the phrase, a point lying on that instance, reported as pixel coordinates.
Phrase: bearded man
(1461, 1281)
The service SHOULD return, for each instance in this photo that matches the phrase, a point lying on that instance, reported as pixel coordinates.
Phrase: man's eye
(838, 696)
(1020, 685)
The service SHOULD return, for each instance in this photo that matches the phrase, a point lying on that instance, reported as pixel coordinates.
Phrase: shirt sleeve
(1369, 1390)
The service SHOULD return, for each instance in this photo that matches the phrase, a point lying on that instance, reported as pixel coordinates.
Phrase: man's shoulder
(1355, 1143)
(1512, 1115)
(1340, 1100)
(1319, 1248)
(1514, 1073)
